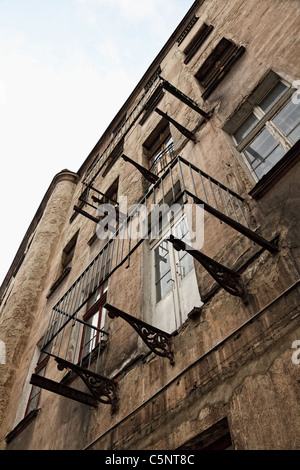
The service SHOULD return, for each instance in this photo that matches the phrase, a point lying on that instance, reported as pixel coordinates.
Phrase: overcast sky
(66, 68)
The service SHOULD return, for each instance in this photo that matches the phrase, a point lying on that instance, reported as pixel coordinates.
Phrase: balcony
(181, 181)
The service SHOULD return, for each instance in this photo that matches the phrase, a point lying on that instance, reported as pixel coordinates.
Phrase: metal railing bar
(193, 181)
(229, 197)
(207, 176)
(213, 193)
(203, 187)
(224, 204)
(242, 212)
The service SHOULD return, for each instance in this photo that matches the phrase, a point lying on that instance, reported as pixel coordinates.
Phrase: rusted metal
(63, 390)
(157, 340)
(178, 126)
(236, 225)
(225, 277)
(104, 390)
(146, 173)
(184, 98)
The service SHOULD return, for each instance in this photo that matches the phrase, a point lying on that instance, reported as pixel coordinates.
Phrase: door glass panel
(186, 263)
(163, 280)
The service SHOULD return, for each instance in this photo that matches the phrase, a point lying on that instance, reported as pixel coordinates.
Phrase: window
(68, 253)
(160, 149)
(270, 129)
(217, 65)
(66, 263)
(196, 42)
(94, 319)
(217, 437)
(165, 270)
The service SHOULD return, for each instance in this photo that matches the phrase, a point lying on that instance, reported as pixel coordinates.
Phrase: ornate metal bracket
(157, 340)
(225, 277)
(146, 173)
(102, 388)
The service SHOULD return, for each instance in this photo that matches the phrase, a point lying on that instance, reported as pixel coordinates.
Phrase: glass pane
(162, 270)
(162, 260)
(295, 135)
(164, 286)
(288, 118)
(182, 231)
(186, 263)
(273, 96)
(260, 148)
(270, 161)
(90, 335)
(245, 128)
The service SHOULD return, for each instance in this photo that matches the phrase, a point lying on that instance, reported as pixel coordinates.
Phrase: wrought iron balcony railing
(180, 179)
(163, 160)
(184, 180)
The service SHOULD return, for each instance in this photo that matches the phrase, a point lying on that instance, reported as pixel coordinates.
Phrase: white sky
(66, 68)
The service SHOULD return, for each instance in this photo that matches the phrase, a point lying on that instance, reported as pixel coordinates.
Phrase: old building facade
(179, 330)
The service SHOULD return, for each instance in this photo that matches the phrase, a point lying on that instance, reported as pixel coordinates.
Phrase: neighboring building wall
(233, 360)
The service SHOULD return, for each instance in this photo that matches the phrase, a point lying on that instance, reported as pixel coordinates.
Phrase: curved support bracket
(102, 388)
(157, 340)
(225, 277)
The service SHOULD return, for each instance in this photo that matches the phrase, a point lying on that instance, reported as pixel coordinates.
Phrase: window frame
(264, 122)
(95, 309)
(155, 147)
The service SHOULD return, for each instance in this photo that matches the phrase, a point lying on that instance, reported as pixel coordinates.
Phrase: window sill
(22, 425)
(271, 178)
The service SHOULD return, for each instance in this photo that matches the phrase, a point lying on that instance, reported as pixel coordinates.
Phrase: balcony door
(175, 291)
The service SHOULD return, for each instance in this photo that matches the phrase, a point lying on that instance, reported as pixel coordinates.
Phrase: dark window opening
(151, 104)
(113, 157)
(197, 41)
(68, 253)
(159, 148)
(217, 65)
(217, 437)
